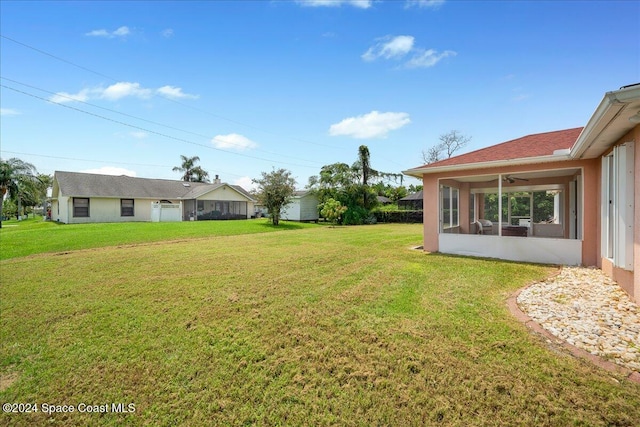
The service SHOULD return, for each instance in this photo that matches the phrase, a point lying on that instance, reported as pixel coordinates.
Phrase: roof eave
(605, 114)
(419, 172)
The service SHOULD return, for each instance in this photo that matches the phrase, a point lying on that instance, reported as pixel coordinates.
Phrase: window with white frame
(618, 205)
(449, 206)
(80, 207)
(126, 207)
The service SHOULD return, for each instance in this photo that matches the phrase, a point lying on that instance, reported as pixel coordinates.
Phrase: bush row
(405, 216)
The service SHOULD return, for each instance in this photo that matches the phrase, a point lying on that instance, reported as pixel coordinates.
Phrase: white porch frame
(544, 250)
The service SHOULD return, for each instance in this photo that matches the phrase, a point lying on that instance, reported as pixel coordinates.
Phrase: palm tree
(14, 175)
(191, 172)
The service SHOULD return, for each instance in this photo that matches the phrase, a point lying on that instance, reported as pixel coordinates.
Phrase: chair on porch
(484, 226)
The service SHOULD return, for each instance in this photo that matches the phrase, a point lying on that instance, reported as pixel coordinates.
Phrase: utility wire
(144, 120)
(186, 141)
(117, 162)
(161, 96)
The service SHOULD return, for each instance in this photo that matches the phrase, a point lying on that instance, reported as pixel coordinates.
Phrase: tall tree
(275, 191)
(191, 172)
(15, 174)
(365, 169)
(449, 144)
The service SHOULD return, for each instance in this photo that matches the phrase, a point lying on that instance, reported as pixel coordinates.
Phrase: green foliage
(20, 180)
(356, 187)
(406, 216)
(275, 191)
(332, 210)
(191, 172)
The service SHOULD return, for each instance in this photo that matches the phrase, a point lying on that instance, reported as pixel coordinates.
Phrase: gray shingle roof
(76, 184)
(414, 196)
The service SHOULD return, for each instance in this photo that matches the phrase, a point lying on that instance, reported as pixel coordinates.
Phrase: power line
(144, 120)
(117, 162)
(164, 97)
(186, 141)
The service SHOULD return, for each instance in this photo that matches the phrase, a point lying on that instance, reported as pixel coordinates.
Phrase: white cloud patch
(174, 93)
(121, 32)
(120, 90)
(9, 112)
(62, 97)
(233, 141)
(399, 48)
(111, 170)
(123, 89)
(389, 47)
(361, 4)
(139, 134)
(246, 183)
(428, 58)
(427, 4)
(167, 33)
(371, 125)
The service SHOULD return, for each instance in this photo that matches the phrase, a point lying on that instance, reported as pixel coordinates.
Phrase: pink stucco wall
(630, 280)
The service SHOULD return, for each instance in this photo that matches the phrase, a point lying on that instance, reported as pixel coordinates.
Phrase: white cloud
(174, 92)
(399, 47)
(120, 32)
(372, 125)
(246, 183)
(433, 4)
(139, 134)
(233, 141)
(167, 33)
(427, 58)
(122, 89)
(389, 47)
(361, 4)
(62, 97)
(9, 112)
(111, 170)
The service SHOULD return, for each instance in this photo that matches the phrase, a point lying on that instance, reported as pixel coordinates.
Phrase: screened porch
(528, 216)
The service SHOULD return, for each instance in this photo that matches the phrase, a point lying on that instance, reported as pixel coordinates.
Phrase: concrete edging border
(534, 326)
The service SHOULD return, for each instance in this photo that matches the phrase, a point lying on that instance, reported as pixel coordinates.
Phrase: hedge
(405, 216)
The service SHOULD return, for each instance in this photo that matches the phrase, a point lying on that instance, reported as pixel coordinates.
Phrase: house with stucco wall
(563, 197)
(84, 198)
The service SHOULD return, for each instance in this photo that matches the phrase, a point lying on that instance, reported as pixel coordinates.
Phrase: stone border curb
(522, 317)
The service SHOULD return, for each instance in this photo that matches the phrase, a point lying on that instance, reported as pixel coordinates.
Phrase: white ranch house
(84, 198)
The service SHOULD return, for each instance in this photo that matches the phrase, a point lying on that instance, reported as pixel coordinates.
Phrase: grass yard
(313, 326)
(21, 238)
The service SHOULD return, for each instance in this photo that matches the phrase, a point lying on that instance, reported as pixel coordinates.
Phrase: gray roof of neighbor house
(76, 184)
(301, 193)
(414, 196)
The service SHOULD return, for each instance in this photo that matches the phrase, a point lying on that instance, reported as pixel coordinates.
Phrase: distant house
(384, 200)
(83, 198)
(564, 197)
(411, 202)
(303, 207)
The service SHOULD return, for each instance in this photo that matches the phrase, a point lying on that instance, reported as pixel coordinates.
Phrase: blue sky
(248, 86)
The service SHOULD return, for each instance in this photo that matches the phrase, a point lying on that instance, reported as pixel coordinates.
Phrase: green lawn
(313, 326)
(21, 238)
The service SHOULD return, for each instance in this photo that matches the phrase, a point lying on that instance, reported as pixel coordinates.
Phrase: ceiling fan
(511, 179)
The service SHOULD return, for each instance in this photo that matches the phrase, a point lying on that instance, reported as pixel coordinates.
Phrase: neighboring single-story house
(303, 207)
(411, 202)
(564, 197)
(84, 197)
(383, 200)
